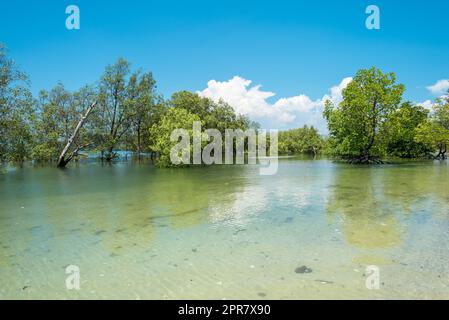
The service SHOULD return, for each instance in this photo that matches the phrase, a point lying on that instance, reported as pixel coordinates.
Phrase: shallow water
(225, 232)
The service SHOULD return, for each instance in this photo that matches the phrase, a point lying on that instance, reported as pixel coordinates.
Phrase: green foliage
(113, 118)
(175, 118)
(370, 121)
(400, 132)
(435, 131)
(355, 125)
(146, 108)
(186, 107)
(302, 140)
(218, 115)
(58, 112)
(441, 111)
(128, 106)
(16, 112)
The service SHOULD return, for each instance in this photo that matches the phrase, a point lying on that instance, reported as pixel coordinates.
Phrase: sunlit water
(138, 232)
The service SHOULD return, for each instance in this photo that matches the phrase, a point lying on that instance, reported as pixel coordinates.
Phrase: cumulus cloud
(428, 104)
(285, 112)
(440, 87)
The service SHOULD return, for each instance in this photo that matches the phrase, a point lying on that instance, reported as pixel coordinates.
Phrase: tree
(400, 132)
(216, 115)
(128, 106)
(114, 119)
(53, 122)
(355, 124)
(65, 157)
(301, 140)
(146, 108)
(16, 111)
(58, 114)
(435, 131)
(186, 107)
(431, 133)
(175, 118)
(441, 110)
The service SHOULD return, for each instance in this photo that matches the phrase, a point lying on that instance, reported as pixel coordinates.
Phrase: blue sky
(293, 49)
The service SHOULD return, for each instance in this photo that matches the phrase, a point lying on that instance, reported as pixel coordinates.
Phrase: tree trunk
(138, 142)
(63, 159)
(366, 158)
(110, 154)
(442, 149)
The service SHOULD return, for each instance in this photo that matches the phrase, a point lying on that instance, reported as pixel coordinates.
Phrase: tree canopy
(400, 132)
(434, 132)
(16, 111)
(301, 140)
(356, 125)
(183, 109)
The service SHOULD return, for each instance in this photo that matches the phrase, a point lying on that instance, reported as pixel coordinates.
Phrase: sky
(276, 61)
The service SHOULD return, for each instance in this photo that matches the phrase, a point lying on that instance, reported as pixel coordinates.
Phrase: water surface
(225, 232)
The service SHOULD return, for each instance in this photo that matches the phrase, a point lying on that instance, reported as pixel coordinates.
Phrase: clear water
(137, 232)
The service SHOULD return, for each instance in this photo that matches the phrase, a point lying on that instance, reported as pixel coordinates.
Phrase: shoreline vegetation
(124, 111)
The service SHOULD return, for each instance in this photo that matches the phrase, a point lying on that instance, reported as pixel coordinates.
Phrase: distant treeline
(305, 140)
(129, 114)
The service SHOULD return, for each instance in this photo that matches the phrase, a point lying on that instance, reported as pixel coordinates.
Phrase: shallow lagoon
(225, 232)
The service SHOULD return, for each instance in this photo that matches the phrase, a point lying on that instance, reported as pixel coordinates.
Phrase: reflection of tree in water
(185, 196)
(125, 206)
(414, 188)
(367, 219)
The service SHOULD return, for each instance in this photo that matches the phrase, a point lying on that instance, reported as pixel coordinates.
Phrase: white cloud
(336, 91)
(238, 93)
(440, 87)
(428, 104)
(285, 112)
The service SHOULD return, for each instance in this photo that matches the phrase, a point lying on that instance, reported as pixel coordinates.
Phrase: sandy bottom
(225, 233)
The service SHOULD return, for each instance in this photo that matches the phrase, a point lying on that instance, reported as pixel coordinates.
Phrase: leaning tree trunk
(63, 158)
